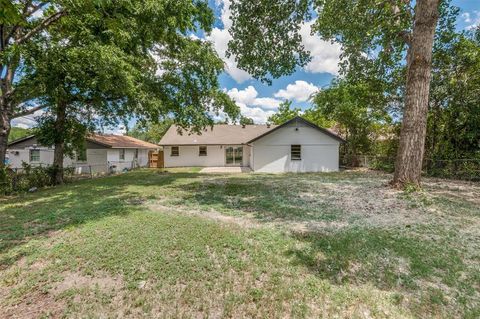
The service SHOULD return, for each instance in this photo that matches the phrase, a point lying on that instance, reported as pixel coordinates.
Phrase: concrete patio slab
(226, 169)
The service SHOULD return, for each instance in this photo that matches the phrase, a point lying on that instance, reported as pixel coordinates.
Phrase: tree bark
(59, 151)
(4, 132)
(408, 165)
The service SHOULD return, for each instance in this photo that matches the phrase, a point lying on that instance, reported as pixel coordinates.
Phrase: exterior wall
(17, 156)
(99, 158)
(188, 156)
(96, 160)
(247, 153)
(117, 165)
(271, 153)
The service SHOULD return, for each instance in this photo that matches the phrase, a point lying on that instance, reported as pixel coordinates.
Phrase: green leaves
(8, 13)
(284, 113)
(266, 41)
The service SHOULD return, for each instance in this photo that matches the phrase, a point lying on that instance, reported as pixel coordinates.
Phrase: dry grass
(188, 245)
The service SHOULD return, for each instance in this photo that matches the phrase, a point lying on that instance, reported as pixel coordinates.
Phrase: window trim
(172, 153)
(200, 150)
(135, 154)
(297, 150)
(30, 155)
(121, 154)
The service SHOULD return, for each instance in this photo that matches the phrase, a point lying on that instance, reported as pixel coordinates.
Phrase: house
(103, 153)
(295, 146)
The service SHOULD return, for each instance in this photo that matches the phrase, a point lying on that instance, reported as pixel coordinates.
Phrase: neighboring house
(295, 146)
(103, 153)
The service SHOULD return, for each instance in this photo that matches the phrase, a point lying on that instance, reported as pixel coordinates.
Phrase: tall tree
(379, 34)
(20, 23)
(180, 74)
(409, 162)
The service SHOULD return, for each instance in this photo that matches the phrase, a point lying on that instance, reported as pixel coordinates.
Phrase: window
(202, 151)
(34, 155)
(121, 156)
(82, 155)
(174, 151)
(136, 153)
(296, 152)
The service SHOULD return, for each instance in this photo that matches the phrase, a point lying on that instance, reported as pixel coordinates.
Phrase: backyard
(184, 244)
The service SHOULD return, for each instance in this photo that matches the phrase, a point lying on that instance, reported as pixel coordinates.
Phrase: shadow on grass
(32, 216)
(266, 197)
(393, 261)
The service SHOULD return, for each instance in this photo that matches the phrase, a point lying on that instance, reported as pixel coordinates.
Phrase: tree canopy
(124, 59)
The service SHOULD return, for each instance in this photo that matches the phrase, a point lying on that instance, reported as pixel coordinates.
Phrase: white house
(295, 146)
(103, 153)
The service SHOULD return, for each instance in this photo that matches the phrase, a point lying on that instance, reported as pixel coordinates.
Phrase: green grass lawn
(183, 244)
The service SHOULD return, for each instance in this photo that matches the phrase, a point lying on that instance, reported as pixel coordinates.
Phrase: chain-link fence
(34, 176)
(466, 169)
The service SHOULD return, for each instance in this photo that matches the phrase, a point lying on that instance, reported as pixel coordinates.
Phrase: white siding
(113, 158)
(188, 156)
(271, 153)
(96, 159)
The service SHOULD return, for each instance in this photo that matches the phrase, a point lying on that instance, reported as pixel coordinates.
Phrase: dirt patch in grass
(75, 280)
(35, 305)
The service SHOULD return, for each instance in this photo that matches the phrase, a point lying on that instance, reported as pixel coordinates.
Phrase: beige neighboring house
(104, 153)
(295, 146)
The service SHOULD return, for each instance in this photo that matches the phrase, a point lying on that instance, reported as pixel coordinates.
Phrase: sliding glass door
(233, 155)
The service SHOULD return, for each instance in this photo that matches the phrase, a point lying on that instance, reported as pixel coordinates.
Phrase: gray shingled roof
(220, 134)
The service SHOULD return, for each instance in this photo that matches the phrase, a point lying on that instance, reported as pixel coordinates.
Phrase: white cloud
(301, 91)
(27, 121)
(257, 108)
(220, 39)
(267, 103)
(115, 130)
(471, 19)
(325, 55)
(249, 97)
(258, 115)
(245, 96)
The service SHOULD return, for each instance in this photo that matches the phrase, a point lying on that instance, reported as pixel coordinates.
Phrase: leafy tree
(284, 113)
(245, 120)
(353, 107)
(19, 26)
(385, 36)
(149, 131)
(170, 73)
(454, 116)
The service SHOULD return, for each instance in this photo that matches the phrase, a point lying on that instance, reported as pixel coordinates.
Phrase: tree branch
(29, 111)
(44, 24)
(406, 36)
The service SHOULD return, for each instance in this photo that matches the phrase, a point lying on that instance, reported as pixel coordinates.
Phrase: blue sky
(258, 100)
(301, 84)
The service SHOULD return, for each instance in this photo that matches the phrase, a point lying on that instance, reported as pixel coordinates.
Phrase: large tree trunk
(4, 132)
(58, 154)
(408, 165)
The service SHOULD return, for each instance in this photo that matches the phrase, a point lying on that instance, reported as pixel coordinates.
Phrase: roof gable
(304, 121)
